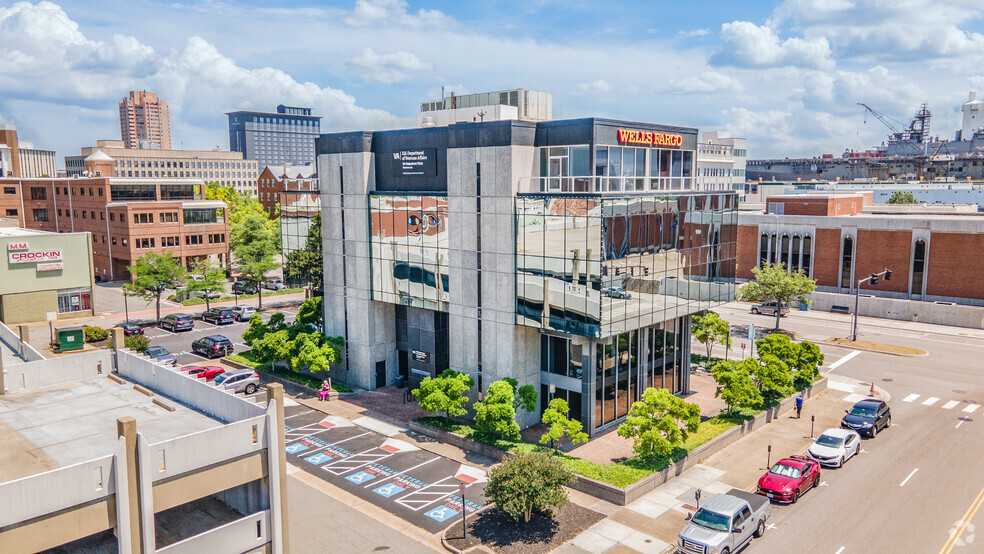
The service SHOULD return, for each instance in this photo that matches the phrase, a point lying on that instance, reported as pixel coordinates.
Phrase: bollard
(813, 418)
(768, 463)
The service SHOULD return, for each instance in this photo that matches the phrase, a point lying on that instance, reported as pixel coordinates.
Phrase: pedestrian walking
(799, 405)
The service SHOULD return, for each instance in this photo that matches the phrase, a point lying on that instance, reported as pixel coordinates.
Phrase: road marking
(972, 408)
(841, 549)
(770, 526)
(902, 484)
(837, 364)
(968, 515)
(823, 483)
(959, 424)
(910, 398)
(930, 401)
(949, 405)
(863, 451)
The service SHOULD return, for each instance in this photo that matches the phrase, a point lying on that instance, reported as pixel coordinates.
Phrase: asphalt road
(915, 484)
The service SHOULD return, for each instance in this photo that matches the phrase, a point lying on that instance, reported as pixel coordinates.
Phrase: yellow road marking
(968, 515)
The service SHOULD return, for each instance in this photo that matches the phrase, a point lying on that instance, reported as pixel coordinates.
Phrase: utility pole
(872, 279)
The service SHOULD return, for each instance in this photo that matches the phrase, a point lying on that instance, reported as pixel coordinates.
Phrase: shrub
(95, 334)
(529, 482)
(137, 343)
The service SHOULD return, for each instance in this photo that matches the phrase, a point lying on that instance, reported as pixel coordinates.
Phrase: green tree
(659, 422)
(777, 345)
(94, 333)
(137, 343)
(255, 242)
(900, 197)
(524, 397)
(773, 375)
(256, 330)
(773, 283)
(560, 425)
(735, 385)
(307, 263)
(444, 393)
(272, 347)
(152, 275)
(497, 412)
(804, 358)
(310, 351)
(711, 329)
(310, 312)
(808, 362)
(212, 279)
(226, 193)
(527, 483)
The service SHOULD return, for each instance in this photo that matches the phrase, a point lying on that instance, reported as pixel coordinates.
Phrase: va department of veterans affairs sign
(413, 163)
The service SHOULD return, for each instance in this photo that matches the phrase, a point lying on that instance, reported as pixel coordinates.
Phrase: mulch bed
(499, 532)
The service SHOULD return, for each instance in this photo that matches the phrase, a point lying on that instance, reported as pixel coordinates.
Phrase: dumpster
(70, 338)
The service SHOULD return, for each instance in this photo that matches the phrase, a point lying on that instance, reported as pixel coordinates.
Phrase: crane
(901, 136)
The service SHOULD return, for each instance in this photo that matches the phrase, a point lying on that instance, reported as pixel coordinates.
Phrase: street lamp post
(873, 279)
(126, 309)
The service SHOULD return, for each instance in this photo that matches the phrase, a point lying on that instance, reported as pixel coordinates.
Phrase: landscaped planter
(465, 443)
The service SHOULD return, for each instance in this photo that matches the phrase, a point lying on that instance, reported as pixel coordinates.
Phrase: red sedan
(190, 368)
(208, 372)
(789, 478)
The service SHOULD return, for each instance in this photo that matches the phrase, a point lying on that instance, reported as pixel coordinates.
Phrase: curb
(870, 349)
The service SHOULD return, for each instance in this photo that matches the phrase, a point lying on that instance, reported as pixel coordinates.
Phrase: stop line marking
(837, 364)
(930, 401)
(910, 398)
(950, 405)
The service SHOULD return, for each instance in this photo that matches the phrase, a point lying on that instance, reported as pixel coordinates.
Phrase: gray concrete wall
(63, 369)
(904, 310)
(12, 339)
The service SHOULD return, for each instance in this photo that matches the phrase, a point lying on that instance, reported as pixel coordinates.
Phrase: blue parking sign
(318, 458)
(388, 490)
(296, 448)
(360, 477)
(442, 513)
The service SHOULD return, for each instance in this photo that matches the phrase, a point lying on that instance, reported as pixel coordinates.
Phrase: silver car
(242, 313)
(243, 380)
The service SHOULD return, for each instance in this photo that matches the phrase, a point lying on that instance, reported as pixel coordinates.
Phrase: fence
(8, 336)
(63, 369)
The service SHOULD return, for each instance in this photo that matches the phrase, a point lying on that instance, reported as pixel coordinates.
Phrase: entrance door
(404, 364)
(380, 374)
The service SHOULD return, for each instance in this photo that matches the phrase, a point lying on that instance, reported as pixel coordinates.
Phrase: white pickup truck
(725, 523)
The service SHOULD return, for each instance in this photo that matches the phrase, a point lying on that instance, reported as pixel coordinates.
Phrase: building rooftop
(21, 232)
(98, 156)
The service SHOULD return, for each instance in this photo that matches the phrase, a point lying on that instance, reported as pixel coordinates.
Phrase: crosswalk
(950, 405)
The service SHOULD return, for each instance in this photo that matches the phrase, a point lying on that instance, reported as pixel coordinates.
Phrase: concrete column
(2, 389)
(24, 335)
(278, 481)
(119, 341)
(126, 428)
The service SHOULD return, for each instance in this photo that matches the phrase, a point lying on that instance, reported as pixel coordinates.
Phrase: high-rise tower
(145, 121)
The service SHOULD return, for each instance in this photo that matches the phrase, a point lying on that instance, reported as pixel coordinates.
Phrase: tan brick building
(145, 119)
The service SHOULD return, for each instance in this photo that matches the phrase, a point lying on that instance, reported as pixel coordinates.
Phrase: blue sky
(786, 75)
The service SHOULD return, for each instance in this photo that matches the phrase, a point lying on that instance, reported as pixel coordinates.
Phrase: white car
(835, 446)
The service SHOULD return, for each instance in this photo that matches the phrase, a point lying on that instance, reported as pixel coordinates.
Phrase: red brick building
(275, 179)
(840, 239)
(127, 217)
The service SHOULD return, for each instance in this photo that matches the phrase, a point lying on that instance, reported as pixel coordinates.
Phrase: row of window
(715, 172)
(794, 251)
(190, 240)
(163, 164)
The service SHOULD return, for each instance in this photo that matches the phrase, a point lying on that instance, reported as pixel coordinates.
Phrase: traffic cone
(872, 391)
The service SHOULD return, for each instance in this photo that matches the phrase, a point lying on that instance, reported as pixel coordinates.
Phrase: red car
(789, 478)
(191, 368)
(208, 372)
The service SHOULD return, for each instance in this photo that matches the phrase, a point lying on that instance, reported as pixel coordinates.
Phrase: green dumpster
(70, 338)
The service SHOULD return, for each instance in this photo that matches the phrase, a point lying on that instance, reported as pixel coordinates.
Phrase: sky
(787, 76)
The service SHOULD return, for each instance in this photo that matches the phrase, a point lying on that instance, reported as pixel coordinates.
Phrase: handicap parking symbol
(296, 448)
(360, 477)
(388, 490)
(318, 458)
(442, 513)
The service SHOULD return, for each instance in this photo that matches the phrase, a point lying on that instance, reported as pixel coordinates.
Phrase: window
(100, 191)
(102, 216)
(39, 193)
(40, 215)
(807, 248)
(10, 190)
(59, 212)
(81, 191)
(83, 214)
(112, 216)
(113, 241)
(124, 242)
(209, 215)
(74, 300)
(846, 259)
(133, 192)
(918, 267)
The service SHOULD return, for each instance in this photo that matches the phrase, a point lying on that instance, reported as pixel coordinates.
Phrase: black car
(868, 417)
(214, 346)
(178, 322)
(219, 316)
(130, 329)
(243, 287)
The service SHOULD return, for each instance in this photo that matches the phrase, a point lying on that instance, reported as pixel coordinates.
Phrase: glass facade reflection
(409, 250)
(299, 212)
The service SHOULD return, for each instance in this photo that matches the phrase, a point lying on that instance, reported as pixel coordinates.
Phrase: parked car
(219, 316)
(275, 283)
(789, 478)
(725, 523)
(616, 292)
(189, 368)
(130, 329)
(868, 417)
(770, 308)
(161, 354)
(243, 287)
(202, 294)
(244, 380)
(214, 346)
(177, 322)
(835, 446)
(196, 277)
(243, 313)
(208, 372)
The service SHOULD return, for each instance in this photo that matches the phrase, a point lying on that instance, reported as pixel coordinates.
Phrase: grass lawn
(247, 358)
(200, 301)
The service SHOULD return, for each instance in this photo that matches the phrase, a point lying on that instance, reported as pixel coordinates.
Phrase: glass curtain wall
(299, 213)
(616, 169)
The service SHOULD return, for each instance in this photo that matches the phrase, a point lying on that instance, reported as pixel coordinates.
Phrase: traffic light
(873, 279)
(888, 275)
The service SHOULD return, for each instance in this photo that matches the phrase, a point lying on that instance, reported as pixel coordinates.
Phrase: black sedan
(868, 417)
(130, 329)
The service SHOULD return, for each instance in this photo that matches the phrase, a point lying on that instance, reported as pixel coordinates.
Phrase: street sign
(751, 332)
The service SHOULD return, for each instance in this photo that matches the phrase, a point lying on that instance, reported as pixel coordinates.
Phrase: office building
(145, 121)
(568, 255)
(212, 166)
(721, 162)
(19, 158)
(532, 105)
(285, 136)
(126, 216)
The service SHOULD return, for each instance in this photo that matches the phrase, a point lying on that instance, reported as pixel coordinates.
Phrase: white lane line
(959, 424)
(902, 484)
(910, 398)
(841, 549)
(837, 364)
(972, 408)
(949, 405)
(930, 401)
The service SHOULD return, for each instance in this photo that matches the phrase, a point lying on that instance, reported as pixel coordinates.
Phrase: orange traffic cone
(872, 391)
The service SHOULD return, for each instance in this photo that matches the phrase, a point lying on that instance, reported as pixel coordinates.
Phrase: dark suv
(243, 287)
(214, 346)
(868, 417)
(219, 316)
(178, 322)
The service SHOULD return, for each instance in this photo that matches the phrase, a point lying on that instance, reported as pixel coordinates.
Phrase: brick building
(840, 239)
(145, 121)
(127, 217)
(19, 158)
(274, 180)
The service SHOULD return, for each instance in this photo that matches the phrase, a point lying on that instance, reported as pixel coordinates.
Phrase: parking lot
(419, 486)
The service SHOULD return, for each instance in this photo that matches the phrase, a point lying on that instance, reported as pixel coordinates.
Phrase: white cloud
(377, 13)
(752, 46)
(707, 82)
(594, 87)
(694, 33)
(388, 68)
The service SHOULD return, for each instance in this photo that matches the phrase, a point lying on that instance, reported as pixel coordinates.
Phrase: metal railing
(617, 185)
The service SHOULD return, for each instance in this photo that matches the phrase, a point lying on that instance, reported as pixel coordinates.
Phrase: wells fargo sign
(28, 257)
(649, 138)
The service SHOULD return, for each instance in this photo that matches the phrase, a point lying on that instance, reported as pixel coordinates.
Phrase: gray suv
(770, 308)
(244, 380)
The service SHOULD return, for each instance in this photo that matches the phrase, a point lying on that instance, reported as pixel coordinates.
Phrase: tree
(735, 385)
(709, 330)
(524, 397)
(311, 351)
(804, 358)
(307, 263)
(497, 413)
(272, 347)
(212, 279)
(773, 283)
(444, 393)
(808, 362)
(310, 313)
(152, 275)
(256, 330)
(226, 193)
(255, 242)
(772, 374)
(527, 483)
(560, 425)
(137, 343)
(900, 197)
(659, 422)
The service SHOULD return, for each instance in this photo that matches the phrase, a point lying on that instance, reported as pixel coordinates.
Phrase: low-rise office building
(721, 162)
(19, 158)
(568, 255)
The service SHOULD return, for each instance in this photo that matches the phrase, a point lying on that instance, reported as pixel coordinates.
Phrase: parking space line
(837, 364)
(930, 401)
(949, 405)
(902, 484)
(839, 550)
(404, 472)
(972, 408)
(910, 398)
